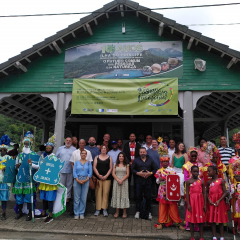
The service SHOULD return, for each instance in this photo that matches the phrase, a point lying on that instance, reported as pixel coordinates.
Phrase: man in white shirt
(148, 144)
(171, 150)
(76, 154)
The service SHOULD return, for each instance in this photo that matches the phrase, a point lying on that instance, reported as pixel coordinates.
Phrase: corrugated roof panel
(97, 12)
(234, 52)
(109, 5)
(168, 21)
(221, 46)
(132, 4)
(194, 34)
(208, 40)
(144, 9)
(155, 15)
(181, 27)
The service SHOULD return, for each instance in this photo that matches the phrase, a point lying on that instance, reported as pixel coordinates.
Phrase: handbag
(92, 182)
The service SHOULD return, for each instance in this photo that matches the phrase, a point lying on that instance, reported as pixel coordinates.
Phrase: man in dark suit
(131, 149)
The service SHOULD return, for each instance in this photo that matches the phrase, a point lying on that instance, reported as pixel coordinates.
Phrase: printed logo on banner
(10, 171)
(23, 175)
(48, 171)
(158, 96)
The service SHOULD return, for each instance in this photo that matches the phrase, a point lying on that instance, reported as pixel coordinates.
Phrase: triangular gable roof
(52, 42)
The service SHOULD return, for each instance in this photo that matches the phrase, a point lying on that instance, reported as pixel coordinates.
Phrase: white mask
(26, 150)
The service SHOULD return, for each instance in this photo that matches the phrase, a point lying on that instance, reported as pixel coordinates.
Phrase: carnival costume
(197, 215)
(187, 175)
(22, 191)
(168, 210)
(216, 214)
(4, 187)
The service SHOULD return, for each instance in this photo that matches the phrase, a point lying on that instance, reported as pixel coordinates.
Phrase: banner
(125, 96)
(125, 60)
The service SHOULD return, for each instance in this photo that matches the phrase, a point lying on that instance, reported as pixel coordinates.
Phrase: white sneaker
(97, 213)
(150, 216)
(76, 217)
(182, 203)
(81, 216)
(105, 213)
(137, 215)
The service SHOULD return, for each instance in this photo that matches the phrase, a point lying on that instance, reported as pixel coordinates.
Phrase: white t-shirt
(170, 153)
(76, 156)
(146, 146)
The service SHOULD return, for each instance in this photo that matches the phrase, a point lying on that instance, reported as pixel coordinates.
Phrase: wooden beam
(222, 55)
(28, 59)
(137, 13)
(62, 40)
(190, 43)
(172, 30)
(4, 72)
(73, 34)
(184, 36)
(121, 9)
(196, 43)
(58, 49)
(209, 49)
(107, 16)
(50, 46)
(89, 29)
(95, 20)
(39, 53)
(20, 66)
(85, 29)
(231, 62)
(160, 28)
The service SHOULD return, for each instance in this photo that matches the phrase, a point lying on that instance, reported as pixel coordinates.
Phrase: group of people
(111, 167)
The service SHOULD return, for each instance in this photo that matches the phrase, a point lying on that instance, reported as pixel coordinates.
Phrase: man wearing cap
(114, 152)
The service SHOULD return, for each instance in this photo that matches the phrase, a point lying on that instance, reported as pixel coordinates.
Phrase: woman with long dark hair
(179, 158)
(120, 198)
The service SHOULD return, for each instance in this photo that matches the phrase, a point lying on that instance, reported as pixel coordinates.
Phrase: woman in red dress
(196, 202)
(216, 193)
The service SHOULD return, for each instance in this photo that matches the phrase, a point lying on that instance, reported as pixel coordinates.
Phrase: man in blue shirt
(92, 147)
(66, 175)
(114, 152)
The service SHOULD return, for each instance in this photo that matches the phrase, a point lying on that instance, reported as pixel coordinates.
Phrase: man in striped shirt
(226, 152)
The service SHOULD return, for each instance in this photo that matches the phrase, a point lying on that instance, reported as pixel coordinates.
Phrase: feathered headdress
(163, 150)
(209, 148)
(191, 149)
(51, 141)
(236, 167)
(5, 142)
(236, 139)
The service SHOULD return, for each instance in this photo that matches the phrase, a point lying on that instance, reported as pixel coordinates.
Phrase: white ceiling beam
(50, 46)
(231, 62)
(149, 19)
(184, 36)
(4, 72)
(196, 43)
(84, 27)
(121, 9)
(28, 59)
(89, 29)
(20, 66)
(73, 34)
(160, 28)
(209, 49)
(95, 20)
(222, 55)
(39, 53)
(190, 43)
(137, 13)
(107, 16)
(62, 40)
(172, 30)
(58, 49)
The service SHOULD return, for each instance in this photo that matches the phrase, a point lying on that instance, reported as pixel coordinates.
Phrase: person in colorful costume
(216, 207)
(4, 187)
(48, 193)
(196, 202)
(22, 191)
(168, 210)
(215, 161)
(192, 156)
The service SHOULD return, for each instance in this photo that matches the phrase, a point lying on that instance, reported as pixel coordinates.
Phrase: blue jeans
(80, 196)
(147, 190)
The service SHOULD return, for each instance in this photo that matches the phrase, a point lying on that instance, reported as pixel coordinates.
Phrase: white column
(60, 120)
(188, 122)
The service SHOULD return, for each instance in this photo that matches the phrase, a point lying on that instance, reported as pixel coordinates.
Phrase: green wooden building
(33, 88)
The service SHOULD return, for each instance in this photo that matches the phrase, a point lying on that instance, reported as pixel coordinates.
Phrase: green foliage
(14, 129)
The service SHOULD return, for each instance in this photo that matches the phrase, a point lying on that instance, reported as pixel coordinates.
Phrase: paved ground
(65, 227)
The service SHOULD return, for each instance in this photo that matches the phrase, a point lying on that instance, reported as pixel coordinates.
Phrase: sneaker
(137, 215)
(29, 217)
(105, 214)
(48, 219)
(182, 203)
(76, 217)
(3, 216)
(40, 216)
(81, 216)
(97, 213)
(150, 216)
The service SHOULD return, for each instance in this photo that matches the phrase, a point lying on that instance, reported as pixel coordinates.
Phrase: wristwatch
(151, 172)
